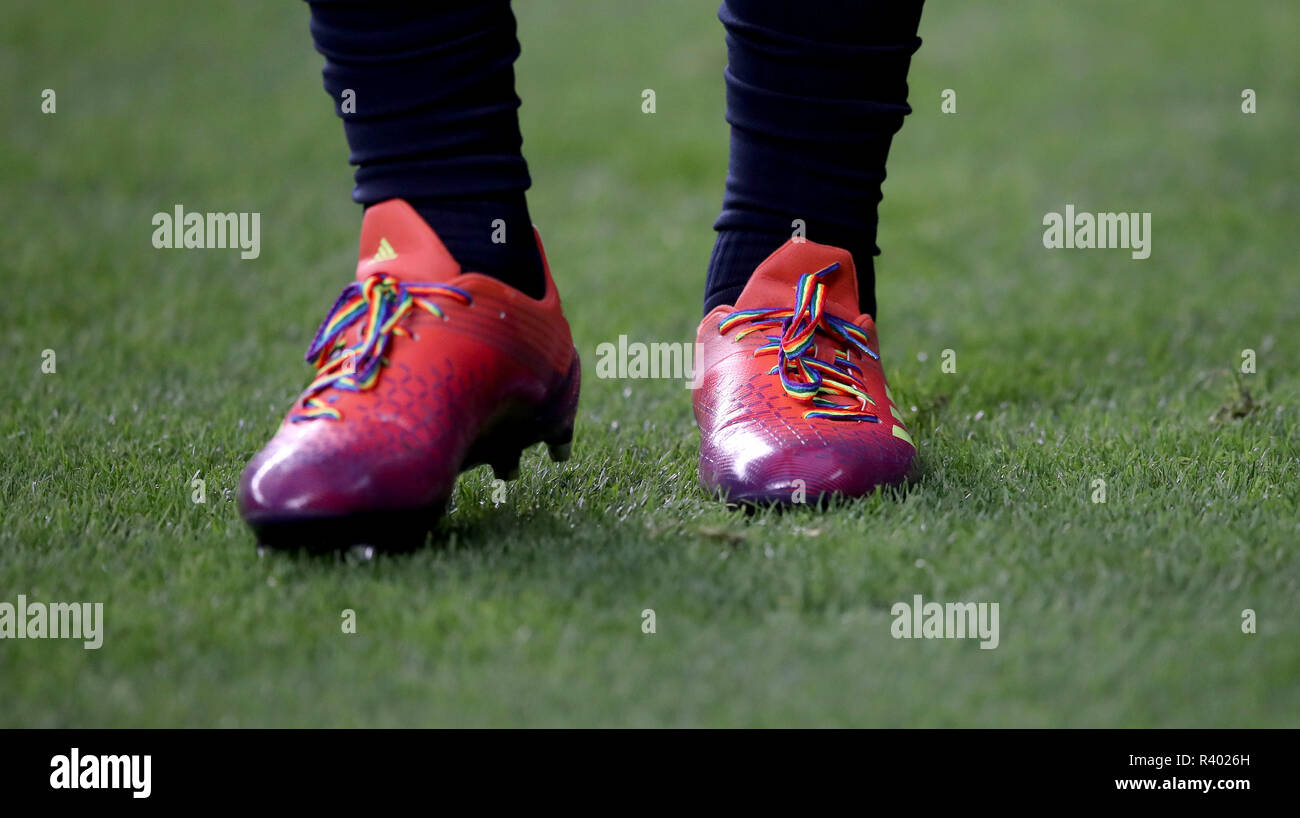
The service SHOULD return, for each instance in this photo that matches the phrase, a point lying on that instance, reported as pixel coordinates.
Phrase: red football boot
(423, 371)
(791, 399)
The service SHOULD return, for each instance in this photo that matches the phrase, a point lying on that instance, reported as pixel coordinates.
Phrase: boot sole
(396, 530)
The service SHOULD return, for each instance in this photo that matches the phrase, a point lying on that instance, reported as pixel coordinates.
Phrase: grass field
(1072, 366)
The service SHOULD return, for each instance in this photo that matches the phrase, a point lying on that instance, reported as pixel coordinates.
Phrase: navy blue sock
(815, 92)
(427, 97)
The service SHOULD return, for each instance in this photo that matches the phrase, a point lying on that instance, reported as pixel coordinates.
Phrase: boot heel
(506, 467)
(560, 452)
(560, 447)
(560, 443)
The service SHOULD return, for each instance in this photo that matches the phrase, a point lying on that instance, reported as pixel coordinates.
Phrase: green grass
(1072, 366)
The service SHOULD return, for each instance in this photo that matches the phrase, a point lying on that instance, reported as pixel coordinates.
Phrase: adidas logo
(385, 251)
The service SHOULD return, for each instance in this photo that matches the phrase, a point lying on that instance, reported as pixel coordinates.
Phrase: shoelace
(381, 301)
(803, 375)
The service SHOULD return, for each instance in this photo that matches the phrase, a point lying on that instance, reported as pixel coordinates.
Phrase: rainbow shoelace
(381, 301)
(806, 377)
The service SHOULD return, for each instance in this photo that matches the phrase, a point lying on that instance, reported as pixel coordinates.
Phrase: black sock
(426, 93)
(815, 93)
(489, 234)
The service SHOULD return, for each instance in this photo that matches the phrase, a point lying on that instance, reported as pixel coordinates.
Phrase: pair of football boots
(425, 370)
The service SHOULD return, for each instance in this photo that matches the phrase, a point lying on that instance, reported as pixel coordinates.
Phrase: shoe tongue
(397, 241)
(773, 284)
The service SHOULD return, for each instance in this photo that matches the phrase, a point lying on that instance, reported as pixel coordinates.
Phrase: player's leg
(450, 348)
(815, 92)
(427, 97)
